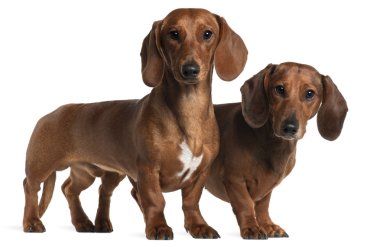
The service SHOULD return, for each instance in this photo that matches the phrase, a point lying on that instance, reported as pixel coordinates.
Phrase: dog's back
(81, 133)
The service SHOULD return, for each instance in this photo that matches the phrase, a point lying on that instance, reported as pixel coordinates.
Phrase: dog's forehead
(294, 71)
(186, 17)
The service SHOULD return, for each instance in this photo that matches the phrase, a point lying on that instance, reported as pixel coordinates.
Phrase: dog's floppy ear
(152, 64)
(332, 112)
(230, 54)
(254, 104)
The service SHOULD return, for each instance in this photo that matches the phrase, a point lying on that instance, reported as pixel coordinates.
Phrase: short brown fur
(259, 138)
(141, 138)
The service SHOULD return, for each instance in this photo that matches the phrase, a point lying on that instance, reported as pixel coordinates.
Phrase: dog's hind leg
(110, 180)
(35, 175)
(78, 181)
(134, 192)
(31, 221)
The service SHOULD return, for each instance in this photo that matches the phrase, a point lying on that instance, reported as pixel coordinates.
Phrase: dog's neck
(264, 139)
(282, 150)
(190, 104)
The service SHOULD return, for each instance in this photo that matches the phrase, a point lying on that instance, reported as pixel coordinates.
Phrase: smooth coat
(140, 138)
(258, 139)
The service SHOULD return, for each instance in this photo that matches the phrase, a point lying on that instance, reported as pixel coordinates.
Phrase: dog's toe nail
(262, 237)
(285, 235)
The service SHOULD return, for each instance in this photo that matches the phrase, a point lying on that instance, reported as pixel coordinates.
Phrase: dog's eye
(309, 94)
(280, 90)
(207, 35)
(174, 35)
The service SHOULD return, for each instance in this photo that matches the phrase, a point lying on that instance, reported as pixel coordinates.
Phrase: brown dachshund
(259, 138)
(163, 142)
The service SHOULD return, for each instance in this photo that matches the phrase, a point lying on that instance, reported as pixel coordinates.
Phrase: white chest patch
(190, 162)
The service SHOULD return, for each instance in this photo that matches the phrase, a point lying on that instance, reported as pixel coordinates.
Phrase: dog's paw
(103, 226)
(273, 230)
(161, 232)
(253, 233)
(36, 226)
(84, 226)
(203, 231)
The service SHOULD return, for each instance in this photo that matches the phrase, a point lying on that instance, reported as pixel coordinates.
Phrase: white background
(59, 52)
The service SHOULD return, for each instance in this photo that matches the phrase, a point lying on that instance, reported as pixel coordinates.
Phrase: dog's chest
(264, 180)
(189, 161)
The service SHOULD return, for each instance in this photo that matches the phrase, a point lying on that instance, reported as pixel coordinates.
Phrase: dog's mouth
(179, 78)
(190, 82)
(287, 137)
(186, 81)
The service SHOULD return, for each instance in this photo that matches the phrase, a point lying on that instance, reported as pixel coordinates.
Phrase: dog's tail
(47, 193)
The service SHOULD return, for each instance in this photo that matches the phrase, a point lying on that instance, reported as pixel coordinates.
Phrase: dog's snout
(190, 71)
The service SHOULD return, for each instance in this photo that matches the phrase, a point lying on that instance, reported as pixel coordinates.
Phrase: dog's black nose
(190, 71)
(290, 129)
(290, 126)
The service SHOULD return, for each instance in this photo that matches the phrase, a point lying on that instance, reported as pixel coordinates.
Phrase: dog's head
(186, 43)
(288, 95)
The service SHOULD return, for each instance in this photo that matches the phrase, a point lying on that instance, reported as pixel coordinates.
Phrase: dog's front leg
(152, 204)
(243, 207)
(194, 222)
(265, 222)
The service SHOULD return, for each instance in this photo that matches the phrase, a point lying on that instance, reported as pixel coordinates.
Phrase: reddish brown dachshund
(259, 138)
(163, 142)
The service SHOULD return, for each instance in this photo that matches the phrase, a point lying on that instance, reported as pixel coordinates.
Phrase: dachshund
(258, 139)
(163, 142)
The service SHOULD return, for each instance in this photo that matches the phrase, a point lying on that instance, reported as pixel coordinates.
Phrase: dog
(164, 142)
(258, 139)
